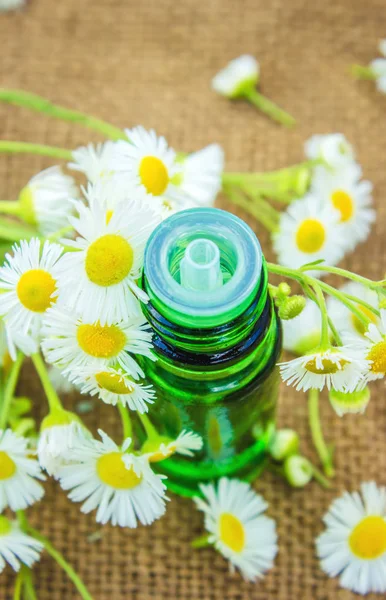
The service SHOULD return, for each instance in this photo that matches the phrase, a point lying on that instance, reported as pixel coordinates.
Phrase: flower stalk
(317, 434)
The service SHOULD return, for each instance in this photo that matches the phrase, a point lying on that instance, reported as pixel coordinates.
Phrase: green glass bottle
(217, 340)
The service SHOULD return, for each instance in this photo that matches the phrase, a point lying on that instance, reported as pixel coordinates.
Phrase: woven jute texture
(151, 62)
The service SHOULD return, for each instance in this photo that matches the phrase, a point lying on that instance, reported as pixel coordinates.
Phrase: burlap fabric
(151, 63)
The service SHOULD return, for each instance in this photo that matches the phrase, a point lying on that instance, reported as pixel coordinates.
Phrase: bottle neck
(216, 347)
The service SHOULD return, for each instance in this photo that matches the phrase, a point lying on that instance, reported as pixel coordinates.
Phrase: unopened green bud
(352, 402)
(292, 307)
(283, 289)
(298, 471)
(285, 443)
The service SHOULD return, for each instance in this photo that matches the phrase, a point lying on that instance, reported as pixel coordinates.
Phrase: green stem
(325, 333)
(29, 587)
(201, 542)
(41, 105)
(253, 209)
(343, 298)
(52, 397)
(361, 72)
(342, 272)
(67, 568)
(10, 387)
(13, 231)
(60, 233)
(317, 434)
(126, 421)
(149, 428)
(10, 207)
(19, 584)
(27, 148)
(269, 108)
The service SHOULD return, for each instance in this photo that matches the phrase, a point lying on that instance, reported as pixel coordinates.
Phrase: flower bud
(285, 442)
(298, 470)
(283, 289)
(292, 307)
(352, 402)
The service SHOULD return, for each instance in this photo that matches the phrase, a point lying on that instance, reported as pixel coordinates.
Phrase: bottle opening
(200, 266)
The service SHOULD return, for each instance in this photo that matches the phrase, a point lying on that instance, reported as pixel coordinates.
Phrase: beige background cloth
(151, 62)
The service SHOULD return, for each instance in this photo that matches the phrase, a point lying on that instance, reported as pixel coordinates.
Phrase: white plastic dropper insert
(200, 267)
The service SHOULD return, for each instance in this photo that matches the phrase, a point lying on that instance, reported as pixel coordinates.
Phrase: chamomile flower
(114, 386)
(237, 527)
(148, 167)
(332, 148)
(353, 546)
(16, 547)
(186, 444)
(71, 342)
(349, 402)
(348, 324)
(378, 70)
(46, 200)
(338, 368)
(95, 161)
(60, 432)
(28, 281)
(350, 197)
(373, 349)
(200, 176)
(302, 334)
(121, 486)
(18, 473)
(308, 231)
(99, 277)
(241, 73)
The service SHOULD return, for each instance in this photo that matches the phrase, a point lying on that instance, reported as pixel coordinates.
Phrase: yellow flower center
(329, 367)
(113, 471)
(112, 382)
(232, 532)
(7, 466)
(35, 288)
(360, 327)
(310, 236)
(154, 175)
(378, 355)
(343, 202)
(101, 341)
(109, 260)
(368, 539)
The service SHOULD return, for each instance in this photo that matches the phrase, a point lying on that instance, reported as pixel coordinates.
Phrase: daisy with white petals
(46, 201)
(201, 175)
(71, 343)
(308, 231)
(28, 281)
(121, 486)
(17, 548)
(350, 197)
(332, 148)
(95, 161)
(373, 349)
(353, 546)
(100, 277)
(186, 444)
(241, 73)
(114, 386)
(237, 527)
(18, 473)
(338, 368)
(148, 166)
(347, 323)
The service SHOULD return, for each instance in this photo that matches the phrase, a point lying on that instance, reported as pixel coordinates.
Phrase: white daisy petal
(348, 324)
(121, 486)
(200, 176)
(237, 527)
(308, 231)
(302, 334)
(95, 161)
(372, 347)
(18, 473)
(186, 444)
(240, 73)
(17, 548)
(333, 148)
(354, 542)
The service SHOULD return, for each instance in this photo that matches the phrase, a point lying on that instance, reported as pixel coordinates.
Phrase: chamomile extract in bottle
(217, 340)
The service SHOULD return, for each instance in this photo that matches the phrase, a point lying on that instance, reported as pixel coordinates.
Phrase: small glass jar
(216, 349)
